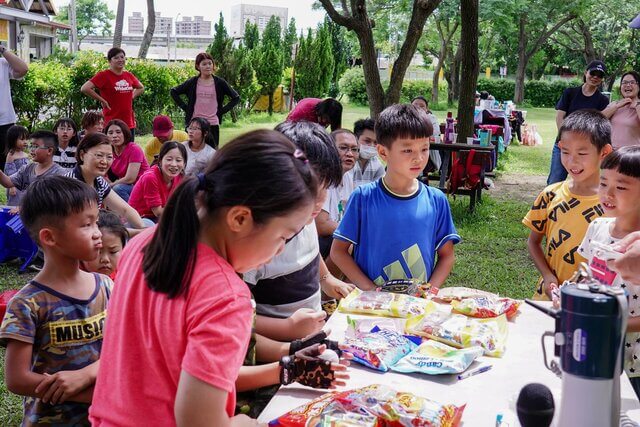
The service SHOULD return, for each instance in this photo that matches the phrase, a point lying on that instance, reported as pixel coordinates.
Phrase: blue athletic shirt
(396, 237)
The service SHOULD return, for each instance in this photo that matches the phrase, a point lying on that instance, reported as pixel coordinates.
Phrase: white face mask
(368, 152)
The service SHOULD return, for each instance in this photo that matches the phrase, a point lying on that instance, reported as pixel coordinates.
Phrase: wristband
(286, 370)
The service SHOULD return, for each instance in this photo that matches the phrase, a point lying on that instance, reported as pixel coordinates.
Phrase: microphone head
(535, 406)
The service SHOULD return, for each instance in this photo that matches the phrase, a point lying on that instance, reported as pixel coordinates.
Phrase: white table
(485, 395)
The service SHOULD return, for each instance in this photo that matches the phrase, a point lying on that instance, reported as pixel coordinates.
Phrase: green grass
(492, 256)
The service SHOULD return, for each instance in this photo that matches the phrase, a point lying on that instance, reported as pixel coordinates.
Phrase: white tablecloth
(485, 395)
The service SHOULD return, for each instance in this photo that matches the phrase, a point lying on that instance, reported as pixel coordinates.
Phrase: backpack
(464, 173)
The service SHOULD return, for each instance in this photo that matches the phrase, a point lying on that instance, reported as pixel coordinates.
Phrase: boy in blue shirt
(397, 224)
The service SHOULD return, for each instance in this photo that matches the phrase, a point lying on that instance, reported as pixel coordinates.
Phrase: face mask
(367, 152)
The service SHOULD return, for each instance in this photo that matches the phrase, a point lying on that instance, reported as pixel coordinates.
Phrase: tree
(323, 55)
(353, 16)
(270, 64)
(117, 37)
(148, 32)
(306, 76)
(341, 49)
(469, 67)
(289, 40)
(251, 36)
(221, 44)
(93, 17)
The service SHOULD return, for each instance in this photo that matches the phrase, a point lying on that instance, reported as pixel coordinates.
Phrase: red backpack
(464, 173)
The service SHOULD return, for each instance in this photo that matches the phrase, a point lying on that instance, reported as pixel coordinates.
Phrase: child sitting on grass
(53, 326)
(114, 238)
(562, 212)
(397, 225)
(17, 140)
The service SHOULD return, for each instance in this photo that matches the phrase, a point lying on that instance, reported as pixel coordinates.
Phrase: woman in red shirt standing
(118, 88)
(205, 96)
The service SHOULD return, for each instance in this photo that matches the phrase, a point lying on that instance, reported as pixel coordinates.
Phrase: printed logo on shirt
(563, 207)
(593, 213)
(544, 201)
(556, 242)
(66, 333)
(414, 261)
(123, 86)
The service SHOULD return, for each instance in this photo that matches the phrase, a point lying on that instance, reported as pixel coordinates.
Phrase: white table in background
(485, 395)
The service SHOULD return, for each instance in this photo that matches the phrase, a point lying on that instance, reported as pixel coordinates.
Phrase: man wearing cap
(163, 131)
(573, 99)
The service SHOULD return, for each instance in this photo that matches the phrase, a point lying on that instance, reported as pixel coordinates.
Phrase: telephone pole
(73, 38)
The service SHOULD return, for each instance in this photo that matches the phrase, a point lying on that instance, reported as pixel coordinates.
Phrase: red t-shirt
(305, 110)
(117, 90)
(151, 192)
(149, 339)
(131, 154)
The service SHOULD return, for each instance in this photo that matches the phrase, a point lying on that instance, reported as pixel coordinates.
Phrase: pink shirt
(305, 110)
(206, 103)
(151, 191)
(625, 127)
(132, 153)
(149, 339)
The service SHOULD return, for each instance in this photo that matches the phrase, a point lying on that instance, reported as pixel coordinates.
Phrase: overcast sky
(300, 9)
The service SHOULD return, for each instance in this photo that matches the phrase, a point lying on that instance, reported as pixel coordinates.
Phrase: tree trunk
(148, 33)
(470, 66)
(436, 74)
(117, 36)
(456, 73)
(518, 95)
(271, 103)
(375, 93)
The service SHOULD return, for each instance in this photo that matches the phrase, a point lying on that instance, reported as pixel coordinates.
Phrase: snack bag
(484, 307)
(378, 349)
(460, 292)
(461, 331)
(384, 304)
(413, 287)
(375, 406)
(366, 324)
(433, 358)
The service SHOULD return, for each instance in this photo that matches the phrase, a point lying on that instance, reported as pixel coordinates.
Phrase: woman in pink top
(625, 113)
(150, 194)
(129, 161)
(180, 316)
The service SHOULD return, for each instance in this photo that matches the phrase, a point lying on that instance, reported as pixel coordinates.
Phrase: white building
(136, 23)
(193, 27)
(241, 13)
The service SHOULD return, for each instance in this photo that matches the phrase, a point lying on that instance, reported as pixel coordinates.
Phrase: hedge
(537, 93)
(51, 89)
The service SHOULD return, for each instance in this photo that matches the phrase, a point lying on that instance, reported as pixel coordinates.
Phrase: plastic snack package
(460, 331)
(374, 405)
(484, 307)
(378, 349)
(384, 304)
(413, 287)
(434, 358)
(365, 325)
(460, 292)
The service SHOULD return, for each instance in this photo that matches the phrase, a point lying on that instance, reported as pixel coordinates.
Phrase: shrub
(537, 93)
(352, 84)
(412, 88)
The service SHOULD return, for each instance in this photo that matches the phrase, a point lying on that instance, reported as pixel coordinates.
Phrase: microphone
(535, 406)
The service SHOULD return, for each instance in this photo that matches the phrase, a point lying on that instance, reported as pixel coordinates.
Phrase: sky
(300, 9)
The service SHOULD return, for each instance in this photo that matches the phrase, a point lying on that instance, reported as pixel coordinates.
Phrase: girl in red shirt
(180, 316)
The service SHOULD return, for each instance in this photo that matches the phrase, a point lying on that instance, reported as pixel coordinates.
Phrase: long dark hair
(15, 133)
(73, 142)
(261, 170)
(205, 127)
(168, 146)
(126, 132)
(332, 111)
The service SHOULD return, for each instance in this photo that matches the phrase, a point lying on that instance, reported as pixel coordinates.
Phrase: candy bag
(433, 358)
(366, 324)
(378, 349)
(461, 331)
(413, 287)
(375, 406)
(460, 292)
(384, 304)
(484, 307)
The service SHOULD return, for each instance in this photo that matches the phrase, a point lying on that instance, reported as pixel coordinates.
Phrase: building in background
(241, 13)
(27, 27)
(193, 27)
(136, 23)
(164, 25)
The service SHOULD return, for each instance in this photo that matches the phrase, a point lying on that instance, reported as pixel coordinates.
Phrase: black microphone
(535, 406)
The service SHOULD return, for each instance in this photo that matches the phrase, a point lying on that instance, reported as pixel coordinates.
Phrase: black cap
(597, 66)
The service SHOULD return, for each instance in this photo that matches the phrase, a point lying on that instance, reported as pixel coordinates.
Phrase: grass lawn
(492, 256)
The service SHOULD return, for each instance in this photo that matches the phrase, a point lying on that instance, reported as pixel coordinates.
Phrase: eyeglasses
(192, 129)
(628, 83)
(345, 149)
(37, 147)
(102, 156)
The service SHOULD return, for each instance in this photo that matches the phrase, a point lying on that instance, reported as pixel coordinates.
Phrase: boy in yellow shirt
(163, 131)
(563, 211)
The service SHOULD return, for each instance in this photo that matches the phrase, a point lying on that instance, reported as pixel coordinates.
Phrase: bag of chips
(461, 331)
(384, 304)
(460, 292)
(372, 406)
(366, 324)
(378, 349)
(413, 287)
(433, 358)
(484, 307)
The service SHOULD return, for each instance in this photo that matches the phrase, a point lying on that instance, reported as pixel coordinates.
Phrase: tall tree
(306, 75)
(341, 48)
(148, 32)
(93, 17)
(323, 55)
(469, 67)
(117, 37)
(289, 40)
(353, 16)
(251, 35)
(222, 43)
(270, 65)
